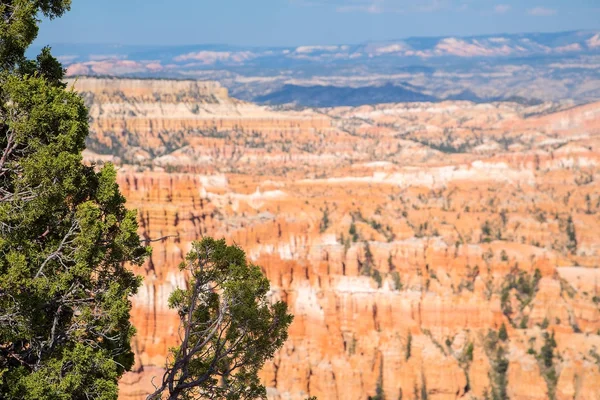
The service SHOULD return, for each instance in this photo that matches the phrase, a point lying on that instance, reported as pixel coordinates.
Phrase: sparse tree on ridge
(228, 327)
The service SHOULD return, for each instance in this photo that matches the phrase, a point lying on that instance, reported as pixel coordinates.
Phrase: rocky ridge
(404, 237)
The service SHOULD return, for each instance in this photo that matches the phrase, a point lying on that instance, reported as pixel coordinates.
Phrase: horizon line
(297, 45)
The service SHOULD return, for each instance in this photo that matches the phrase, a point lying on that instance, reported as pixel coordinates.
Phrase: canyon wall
(427, 251)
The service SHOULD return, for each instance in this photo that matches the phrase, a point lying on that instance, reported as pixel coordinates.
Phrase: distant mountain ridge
(546, 66)
(335, 96)
(153, 59)
(332, 96)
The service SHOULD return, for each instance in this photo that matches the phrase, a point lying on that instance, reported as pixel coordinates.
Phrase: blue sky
(296, 22)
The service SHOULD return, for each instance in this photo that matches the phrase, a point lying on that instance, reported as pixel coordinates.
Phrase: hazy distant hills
(403, 53)
(333, 96)
(545, 66)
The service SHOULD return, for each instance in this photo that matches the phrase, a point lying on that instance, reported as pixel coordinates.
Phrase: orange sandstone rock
(399, 234)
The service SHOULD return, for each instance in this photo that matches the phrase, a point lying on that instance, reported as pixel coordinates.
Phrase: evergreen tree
(502, 333)
(229, 328)
(19, 25)
(571, 236)
(65, 234)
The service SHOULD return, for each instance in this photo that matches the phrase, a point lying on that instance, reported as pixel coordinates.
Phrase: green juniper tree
(19, 27)
(503, 333)
(229, 328)
(65, 237)
(65, 234)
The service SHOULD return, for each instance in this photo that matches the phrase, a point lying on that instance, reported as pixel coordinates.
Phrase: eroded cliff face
(402, 236)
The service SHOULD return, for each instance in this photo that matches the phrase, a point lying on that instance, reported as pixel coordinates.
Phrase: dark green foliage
(502, 333)
(490, 232)
(571, 236)
(594, 354)
(567, 288)
(391, 265)
(525, 287)
(504, 217)
(229, 328)
(19, 26)
(447, 144)
(546, 362)
(65, 234)
(437, 344)
(352, 346)
(376, 225)
(500, 369)
(541, 217)
(547, 351)
(588, 204)
(45, 66)
(499, 363)
(469, 353)
(379, 394)
(376, 275)
(537, 276)
(366, 265)
(324, 220)
(397, 281)
(408, 350)
(486, 232)
(464, 358)
(353, 232)
(424, 391)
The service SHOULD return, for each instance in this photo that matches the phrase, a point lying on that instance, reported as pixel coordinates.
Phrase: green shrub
(502, 333)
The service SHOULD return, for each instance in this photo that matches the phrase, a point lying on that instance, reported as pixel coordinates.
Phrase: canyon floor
(402, 236)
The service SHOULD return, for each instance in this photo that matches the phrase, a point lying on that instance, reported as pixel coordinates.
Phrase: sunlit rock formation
(403, 236)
